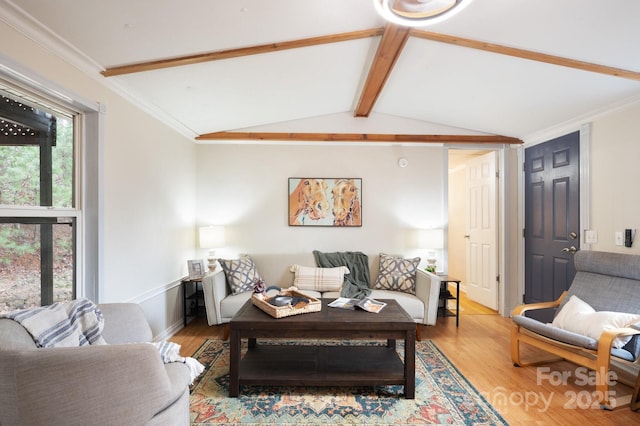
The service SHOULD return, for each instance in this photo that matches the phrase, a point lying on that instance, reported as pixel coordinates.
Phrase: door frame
(504, 164)
(585, 198)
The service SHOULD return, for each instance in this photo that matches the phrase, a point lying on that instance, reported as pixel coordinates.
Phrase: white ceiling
(433, 88)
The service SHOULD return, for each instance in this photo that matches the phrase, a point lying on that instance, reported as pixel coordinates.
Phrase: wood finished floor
(480, 350)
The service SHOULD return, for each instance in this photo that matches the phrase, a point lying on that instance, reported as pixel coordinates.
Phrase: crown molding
(576, 123)
(34, 30)
(37, 32)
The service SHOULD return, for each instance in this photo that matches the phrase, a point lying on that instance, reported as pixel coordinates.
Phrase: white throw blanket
(170, 352)
(79, 323)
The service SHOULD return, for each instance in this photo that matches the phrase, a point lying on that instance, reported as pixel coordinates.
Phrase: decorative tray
(314, 304)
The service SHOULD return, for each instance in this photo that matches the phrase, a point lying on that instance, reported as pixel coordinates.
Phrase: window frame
(87, 176)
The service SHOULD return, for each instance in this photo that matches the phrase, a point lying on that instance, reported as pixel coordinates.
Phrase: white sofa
(274, 269)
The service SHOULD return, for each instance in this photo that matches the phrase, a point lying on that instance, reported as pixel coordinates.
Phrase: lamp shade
(211, 237)
(432, 238)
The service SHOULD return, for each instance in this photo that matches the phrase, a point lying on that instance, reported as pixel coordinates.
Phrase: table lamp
(432, 240)
(211, 238)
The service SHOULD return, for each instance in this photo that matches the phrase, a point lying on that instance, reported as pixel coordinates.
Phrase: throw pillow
(397, 274)
(241, 274)
(579, 317)
(575, 306)
(319, 279)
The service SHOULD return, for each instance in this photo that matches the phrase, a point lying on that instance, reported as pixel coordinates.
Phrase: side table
(192, 298)
(445, 296)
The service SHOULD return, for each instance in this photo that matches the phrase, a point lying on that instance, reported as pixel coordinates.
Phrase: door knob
(571, 249)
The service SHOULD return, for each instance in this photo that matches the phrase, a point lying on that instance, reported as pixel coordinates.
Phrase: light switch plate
(619, 238)
(590, 237)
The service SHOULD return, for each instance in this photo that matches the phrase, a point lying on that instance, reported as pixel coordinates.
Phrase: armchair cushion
(579, 317)
(397, 274)
(241, 274)
(555, 333)
(632, 346)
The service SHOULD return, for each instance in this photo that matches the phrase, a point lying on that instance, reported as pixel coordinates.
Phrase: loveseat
(122, 383)
(275, 269)
(596, 323)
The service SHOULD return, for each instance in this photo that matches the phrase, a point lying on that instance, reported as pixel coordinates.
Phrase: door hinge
(498, 279)
(523, 298)
(524, 232)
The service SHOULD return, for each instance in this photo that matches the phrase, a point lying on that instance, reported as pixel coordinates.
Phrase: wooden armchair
(608, 282)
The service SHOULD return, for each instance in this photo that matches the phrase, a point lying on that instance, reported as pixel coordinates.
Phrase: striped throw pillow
(319, 279)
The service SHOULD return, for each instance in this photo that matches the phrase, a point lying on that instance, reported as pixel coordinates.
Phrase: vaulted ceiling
(500, 71)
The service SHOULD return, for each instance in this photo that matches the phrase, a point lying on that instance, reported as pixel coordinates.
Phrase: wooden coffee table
(321, 364)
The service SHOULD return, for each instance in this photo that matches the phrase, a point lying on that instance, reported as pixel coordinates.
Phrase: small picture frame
(197, 268)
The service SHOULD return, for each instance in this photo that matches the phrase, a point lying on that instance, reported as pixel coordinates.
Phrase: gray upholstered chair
(608, 282)
(123, 383)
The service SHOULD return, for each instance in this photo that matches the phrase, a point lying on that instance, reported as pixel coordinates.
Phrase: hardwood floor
(468, 306)
(480, 349)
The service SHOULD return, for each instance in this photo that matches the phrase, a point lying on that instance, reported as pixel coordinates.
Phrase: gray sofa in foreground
(609, 284)
(122, 383)
(221, 305)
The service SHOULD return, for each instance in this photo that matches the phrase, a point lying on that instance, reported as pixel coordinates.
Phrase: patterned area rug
(443, 396)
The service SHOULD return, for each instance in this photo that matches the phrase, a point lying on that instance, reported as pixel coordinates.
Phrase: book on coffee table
(367, 304)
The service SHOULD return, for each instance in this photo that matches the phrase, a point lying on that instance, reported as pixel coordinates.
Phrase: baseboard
(169, 332)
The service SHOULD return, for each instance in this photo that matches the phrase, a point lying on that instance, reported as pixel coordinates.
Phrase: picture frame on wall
(325, 202)
(196, 268)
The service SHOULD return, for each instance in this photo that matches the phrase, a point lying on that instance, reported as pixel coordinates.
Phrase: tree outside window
(37, 251)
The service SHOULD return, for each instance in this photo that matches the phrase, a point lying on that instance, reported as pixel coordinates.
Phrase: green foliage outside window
(20, 171)
(20, 250)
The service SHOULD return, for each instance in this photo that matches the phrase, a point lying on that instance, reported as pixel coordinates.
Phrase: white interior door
(482, 246)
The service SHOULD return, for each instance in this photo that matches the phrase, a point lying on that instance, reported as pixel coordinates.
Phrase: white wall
(615, 178)
(245, 188)
(148, 209)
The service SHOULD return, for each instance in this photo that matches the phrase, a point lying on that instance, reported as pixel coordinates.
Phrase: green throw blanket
(356, 282)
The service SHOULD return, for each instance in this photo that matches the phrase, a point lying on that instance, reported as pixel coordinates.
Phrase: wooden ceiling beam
(526, 54)
(360, 137)
(386, 48)
(393, 40)
(244, 51)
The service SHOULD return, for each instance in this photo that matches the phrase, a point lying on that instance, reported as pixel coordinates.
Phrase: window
(38, 199)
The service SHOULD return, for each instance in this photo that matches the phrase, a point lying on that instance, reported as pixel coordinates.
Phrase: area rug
(443, 396)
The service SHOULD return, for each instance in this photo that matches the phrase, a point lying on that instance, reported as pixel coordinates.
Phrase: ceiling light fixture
(418, 13)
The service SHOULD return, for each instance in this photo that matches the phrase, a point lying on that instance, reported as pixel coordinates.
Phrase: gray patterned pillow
(397, 274)
(241, 274)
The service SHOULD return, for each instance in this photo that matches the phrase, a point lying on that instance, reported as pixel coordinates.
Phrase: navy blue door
(552, 218)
